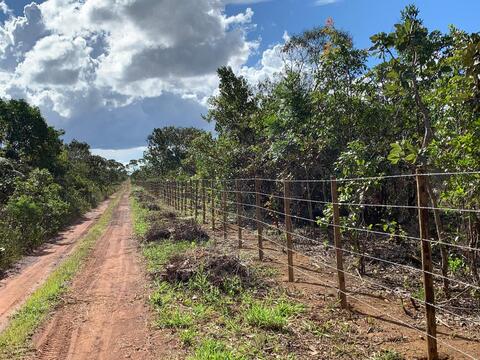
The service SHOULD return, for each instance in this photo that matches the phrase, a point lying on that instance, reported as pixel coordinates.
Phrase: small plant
(386, 355)
(320, 330)
(162, 296)
(188, 337)
(232, 285)
(213, 350)
(455, 264)
(201, 311)
(419, 294)
(271, 317)
(265, 317)
(175, 318)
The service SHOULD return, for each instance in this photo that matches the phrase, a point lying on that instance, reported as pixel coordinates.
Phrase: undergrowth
(213, 322)
(230, 320)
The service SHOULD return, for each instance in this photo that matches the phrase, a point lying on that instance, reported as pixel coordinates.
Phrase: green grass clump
(139, 214)
(14, 340)
(188, 336)
(211, 349)
(386, 355)
(173, 317)
(271, 316)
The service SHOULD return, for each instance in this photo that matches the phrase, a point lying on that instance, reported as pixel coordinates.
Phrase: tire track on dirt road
(33, 270)
(105, 315)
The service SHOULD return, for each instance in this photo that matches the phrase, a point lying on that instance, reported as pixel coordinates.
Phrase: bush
(36, 208)
(10, 241)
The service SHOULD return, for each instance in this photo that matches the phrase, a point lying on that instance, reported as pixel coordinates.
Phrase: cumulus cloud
(123, 155)
(94, 64)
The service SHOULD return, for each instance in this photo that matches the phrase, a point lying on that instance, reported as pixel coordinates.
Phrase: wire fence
(287, 214)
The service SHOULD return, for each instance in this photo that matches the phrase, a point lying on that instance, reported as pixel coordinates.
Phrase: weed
(163, 295)
(265, 317)
(175, 318)
(232, 285)
(139, 213)
(188, 337)
(211, 349)
(386, 355)
(320, 330)
(201, 311)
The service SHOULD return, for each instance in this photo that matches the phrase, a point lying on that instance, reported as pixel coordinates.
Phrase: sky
(110, 71)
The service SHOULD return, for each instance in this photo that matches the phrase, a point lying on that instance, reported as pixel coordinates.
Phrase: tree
(26, 138)
(168, 148)
(233, 108)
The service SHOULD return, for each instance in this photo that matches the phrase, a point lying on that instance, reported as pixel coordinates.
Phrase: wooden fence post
(162, 191)
(175, 202)
(192, 198)
(258, 212)
(196, 199)
(212, 199)
(288, 227)
(204, 205)
(239, 212)
(338, 246)
(427, 267)
(183, 196)
(180, 196)
(224, 206)
(185, 190)
(167, 194)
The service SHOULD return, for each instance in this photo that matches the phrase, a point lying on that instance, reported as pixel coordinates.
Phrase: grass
(387, 355)
(211, 349)
(236, 321)
(210, 322)
(270, 316)
(15, 339)
(139, 214)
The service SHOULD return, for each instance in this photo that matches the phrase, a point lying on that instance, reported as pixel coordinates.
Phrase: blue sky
(361, 18)
(103, 71)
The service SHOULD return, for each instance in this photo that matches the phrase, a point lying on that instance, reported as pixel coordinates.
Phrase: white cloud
(325, 2)
(118, 51)
(270, 64)
(4, 8)
(93, 65)
(121, 155)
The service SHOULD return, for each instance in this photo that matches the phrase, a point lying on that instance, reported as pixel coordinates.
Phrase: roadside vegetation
(15, 339)
(332, 111)
(223, 307)
(45, 184)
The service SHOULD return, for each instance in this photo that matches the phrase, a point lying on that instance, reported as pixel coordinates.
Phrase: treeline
(330, 113)
(44, 183)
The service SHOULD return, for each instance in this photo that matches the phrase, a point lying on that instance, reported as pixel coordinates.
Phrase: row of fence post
(176, 193)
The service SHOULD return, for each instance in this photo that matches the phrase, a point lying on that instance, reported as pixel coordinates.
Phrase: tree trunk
(443, 248)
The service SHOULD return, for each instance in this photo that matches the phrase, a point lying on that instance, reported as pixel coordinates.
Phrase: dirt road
(32, 271)
(105, 315)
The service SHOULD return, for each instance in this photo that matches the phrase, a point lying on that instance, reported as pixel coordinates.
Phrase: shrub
(36, 208)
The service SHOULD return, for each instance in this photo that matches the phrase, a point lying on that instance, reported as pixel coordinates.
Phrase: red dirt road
(105, 315)
(32, 270)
